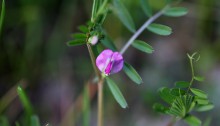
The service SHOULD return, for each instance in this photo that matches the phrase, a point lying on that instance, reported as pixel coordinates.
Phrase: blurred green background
(33, 53)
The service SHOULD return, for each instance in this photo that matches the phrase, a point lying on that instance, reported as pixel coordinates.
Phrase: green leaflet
(79, 39)
(79, 36)
(146, 7)
(124, 15)
(76, 42)
(24, 100)
(199, 78)
(164, 93)
(182, 84)
(116, 93)
(207, 107)
(132, 73)
(160, 108)
(192, 120)
(83, 28)
(201, 101)
(35, 121)
(177, 92)
(176, 11)
(159, 29)
(199, 93)
(178, 107)
(142, 46)
(2, 15)
(188, 102)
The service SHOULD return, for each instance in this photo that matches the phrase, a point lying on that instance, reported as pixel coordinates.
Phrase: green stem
(100, 102)
(93, 61)
(192, 71)
(192, 68)
(100, 88)
(102, 8)
(94, 9)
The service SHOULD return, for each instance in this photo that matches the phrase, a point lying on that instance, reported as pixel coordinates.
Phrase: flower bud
(93, 40)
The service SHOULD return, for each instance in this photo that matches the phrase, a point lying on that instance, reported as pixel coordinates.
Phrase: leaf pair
(128, 22)
(159, 28)
(79, 38)
(76, 42)
(172, 12)
(201, 98)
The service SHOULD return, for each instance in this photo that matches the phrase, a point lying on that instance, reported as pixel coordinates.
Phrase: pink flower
(109, 62)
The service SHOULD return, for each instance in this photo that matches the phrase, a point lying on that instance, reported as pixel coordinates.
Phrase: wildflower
(109, 62)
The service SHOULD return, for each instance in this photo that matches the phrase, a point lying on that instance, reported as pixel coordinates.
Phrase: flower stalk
(93, 60)
(100, 88)
(192, 70)
(100, 102)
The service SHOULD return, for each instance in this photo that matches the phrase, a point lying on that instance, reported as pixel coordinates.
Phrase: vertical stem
(100, 103)
(94, 9)
(100, 88)
(192, 70)
(93, 60)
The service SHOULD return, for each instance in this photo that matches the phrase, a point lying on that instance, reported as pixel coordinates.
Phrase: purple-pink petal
(118, 62)
(109, 62)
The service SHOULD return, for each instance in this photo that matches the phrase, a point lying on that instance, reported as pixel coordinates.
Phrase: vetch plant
(182, 100)
(105, 57)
